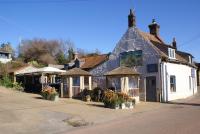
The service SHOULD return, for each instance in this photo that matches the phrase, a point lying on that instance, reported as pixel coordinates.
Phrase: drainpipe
(162, 81)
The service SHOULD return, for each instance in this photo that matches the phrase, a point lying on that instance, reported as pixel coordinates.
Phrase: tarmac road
(180, 117)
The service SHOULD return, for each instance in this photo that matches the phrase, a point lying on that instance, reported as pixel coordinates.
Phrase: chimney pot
(131, 19)
(174, 44)
(154, 28)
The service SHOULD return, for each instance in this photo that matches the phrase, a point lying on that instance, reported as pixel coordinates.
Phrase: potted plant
(87, 98)
(49, 93)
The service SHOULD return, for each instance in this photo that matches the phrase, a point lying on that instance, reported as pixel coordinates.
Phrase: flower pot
(123, 106)
(56, 98)
(88, 98)
(116, 106)
(129, 105)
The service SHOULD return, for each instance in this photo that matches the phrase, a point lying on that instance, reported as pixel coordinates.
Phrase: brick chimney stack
(131, 19)
(154, 28)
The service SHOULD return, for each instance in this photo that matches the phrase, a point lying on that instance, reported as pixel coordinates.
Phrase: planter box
(116, 107)
(129, 105)
(123, 106)
(56, 98)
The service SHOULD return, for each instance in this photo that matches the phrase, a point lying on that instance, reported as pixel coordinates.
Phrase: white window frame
(171, 53)
(174, 83)
(190, 82)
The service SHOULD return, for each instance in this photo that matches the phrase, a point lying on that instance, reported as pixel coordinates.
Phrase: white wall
(3, 60)
(182, 73)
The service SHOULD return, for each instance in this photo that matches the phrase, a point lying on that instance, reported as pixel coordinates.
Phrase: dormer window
(171, 53)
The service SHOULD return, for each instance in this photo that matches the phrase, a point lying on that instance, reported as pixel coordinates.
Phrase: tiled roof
(76, 72)
(93, 61)
(121, 71)
(163, 48)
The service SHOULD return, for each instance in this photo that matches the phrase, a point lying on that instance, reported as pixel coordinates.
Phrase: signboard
(131, 58)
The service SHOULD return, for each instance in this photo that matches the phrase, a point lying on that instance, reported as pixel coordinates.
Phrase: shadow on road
(182, 103)
(96, 105)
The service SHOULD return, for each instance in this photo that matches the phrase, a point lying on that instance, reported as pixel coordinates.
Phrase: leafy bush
(122, 96)
(18, 86)
(97, 94)
(49, 93)
(112, 99)
(6, 82)
(86, 94)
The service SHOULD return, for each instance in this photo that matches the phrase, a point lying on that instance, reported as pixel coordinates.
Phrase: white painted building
(166, 73)
(5, 56)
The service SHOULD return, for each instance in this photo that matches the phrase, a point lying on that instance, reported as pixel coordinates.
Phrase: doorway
(151, 89)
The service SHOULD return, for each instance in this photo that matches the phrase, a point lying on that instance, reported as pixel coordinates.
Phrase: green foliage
(6, 82)
(49, 93)
(112, 99)
(86, 94)
(61, 58)
(70, 54)
(97, 94)
(18, 86)
(35, 64)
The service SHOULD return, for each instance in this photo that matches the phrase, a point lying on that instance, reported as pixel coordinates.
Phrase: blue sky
(92, 24)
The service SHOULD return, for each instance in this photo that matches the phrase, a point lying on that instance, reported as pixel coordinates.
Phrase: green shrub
(97, 94)
(85, 94)
(6, 82)
(112, 99)
(18, 86)
(49, 93)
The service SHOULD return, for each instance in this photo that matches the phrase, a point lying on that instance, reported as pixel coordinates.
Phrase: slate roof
(162, 48)
(93, 61)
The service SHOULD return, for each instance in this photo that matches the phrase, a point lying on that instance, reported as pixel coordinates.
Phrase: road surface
(180, 117)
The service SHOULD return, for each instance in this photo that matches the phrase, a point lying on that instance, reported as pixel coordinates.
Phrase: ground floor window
(173, 83)
(190, 82)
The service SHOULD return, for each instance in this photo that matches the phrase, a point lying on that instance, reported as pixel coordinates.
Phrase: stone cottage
(166, 72)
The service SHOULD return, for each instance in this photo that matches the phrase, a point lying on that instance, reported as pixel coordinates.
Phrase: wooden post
(82, 85)
(42, 80)
(122, 84)
(61, 89)
(70, 87)
(14, 78)
(127, 84)
(90, 82)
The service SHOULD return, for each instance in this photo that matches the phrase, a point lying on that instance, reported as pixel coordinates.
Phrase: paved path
(180, 117)
(23, 113)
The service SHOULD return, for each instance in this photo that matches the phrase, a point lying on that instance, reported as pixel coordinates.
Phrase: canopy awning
(44, 70)
(49, 70)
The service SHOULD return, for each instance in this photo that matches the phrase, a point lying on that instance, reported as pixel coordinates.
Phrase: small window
(173, 83)
(190, 82)
(171, 53)
(152, 68)
(76, 81)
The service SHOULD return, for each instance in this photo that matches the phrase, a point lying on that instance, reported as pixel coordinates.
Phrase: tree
(40, 50)
(61, 58)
